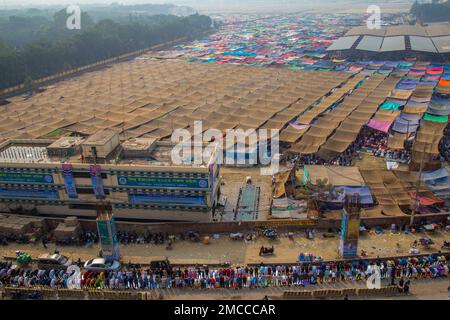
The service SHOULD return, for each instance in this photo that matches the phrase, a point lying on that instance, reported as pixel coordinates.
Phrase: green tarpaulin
(306, 176)
(390, 106)
(433, 118)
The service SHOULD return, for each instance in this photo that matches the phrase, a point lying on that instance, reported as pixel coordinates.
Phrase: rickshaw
(270, 233)
(266, 251)
(424, 242)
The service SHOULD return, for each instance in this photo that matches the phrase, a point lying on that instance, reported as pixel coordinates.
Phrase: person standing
(392, 276)
(44, 243)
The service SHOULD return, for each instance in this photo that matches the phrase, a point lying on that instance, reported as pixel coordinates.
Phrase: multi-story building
(61, 178)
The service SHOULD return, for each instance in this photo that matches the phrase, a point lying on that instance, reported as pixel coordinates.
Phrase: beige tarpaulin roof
(326, 102)
(401, 94)
(316, 136)
(427, 140)
(397, 141)
(280, 181)
(336, 175)
(409, 181)
(291, 134)
(130, 94)
(388, 190)
(385, 115)
(347, 132)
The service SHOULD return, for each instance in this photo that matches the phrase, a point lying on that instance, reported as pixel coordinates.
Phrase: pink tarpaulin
(380, 125)
(299, 126)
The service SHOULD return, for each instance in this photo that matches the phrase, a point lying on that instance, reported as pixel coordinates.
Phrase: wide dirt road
(436, 289)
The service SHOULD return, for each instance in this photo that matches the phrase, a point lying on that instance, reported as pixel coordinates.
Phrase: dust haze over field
(243, 6)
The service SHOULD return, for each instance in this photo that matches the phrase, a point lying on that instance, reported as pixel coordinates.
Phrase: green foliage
(28, 83)
(44, 47)
(435, 11)
(320, 191)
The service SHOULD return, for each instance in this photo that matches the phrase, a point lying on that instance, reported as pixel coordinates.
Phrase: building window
(90, 191)
(83, 206)
(86, 175)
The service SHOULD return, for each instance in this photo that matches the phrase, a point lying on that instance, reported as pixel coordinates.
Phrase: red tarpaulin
(426, 201)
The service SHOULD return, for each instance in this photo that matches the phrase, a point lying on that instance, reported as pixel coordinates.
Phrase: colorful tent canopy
(380, 125)
(434, 118)
(390, 105)
(426, 201)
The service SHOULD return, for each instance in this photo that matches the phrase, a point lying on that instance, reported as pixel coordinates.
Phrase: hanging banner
(173, 182)
(29, 194)
(19, 177)
(69, 181)
(190, 200)
(96, 179)
(348, 244)
(212, 181)
(108, 238)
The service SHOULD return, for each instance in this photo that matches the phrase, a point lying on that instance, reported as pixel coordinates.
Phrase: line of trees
(60, 49)
(435, 11)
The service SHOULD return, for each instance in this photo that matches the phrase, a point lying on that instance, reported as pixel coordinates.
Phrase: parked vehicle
(23, 258)
(160, 263)
(270, 233)
(53, 261)
(101, 264)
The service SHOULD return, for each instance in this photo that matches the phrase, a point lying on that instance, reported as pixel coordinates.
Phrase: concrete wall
(227, 227)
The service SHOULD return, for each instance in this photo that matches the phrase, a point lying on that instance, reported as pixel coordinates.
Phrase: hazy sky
(191, 2)
(236, 5)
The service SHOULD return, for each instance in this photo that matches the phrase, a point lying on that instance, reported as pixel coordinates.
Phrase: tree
(11, 71)
(51, 48)
(28, 84)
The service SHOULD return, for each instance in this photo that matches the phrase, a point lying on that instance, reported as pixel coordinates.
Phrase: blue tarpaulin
(365, 196)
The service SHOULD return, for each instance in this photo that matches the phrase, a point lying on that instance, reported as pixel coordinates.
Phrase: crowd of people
(344, 159)
(370, 140)
(302, 274)
(444, 145)
(123, 237)
(402, 156)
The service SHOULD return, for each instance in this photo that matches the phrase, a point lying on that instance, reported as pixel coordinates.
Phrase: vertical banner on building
(211, 181)
(97, 183)
(108, 238)
(348, 246)
(115, 242)
(69, 181)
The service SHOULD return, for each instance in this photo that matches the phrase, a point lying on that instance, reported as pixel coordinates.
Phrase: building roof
(431, 30)
(65, 142)
(422, 44)
(438, 29)
(370, 43)
(138, 144)
(393, 44)
(343, 43)
(405, 30)
(100, 137)
(363, 30)
(433, 38)
(442, 44)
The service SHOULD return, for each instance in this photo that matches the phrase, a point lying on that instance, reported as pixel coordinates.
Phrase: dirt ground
(239, 253)
(234, 178)
(436, 289)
